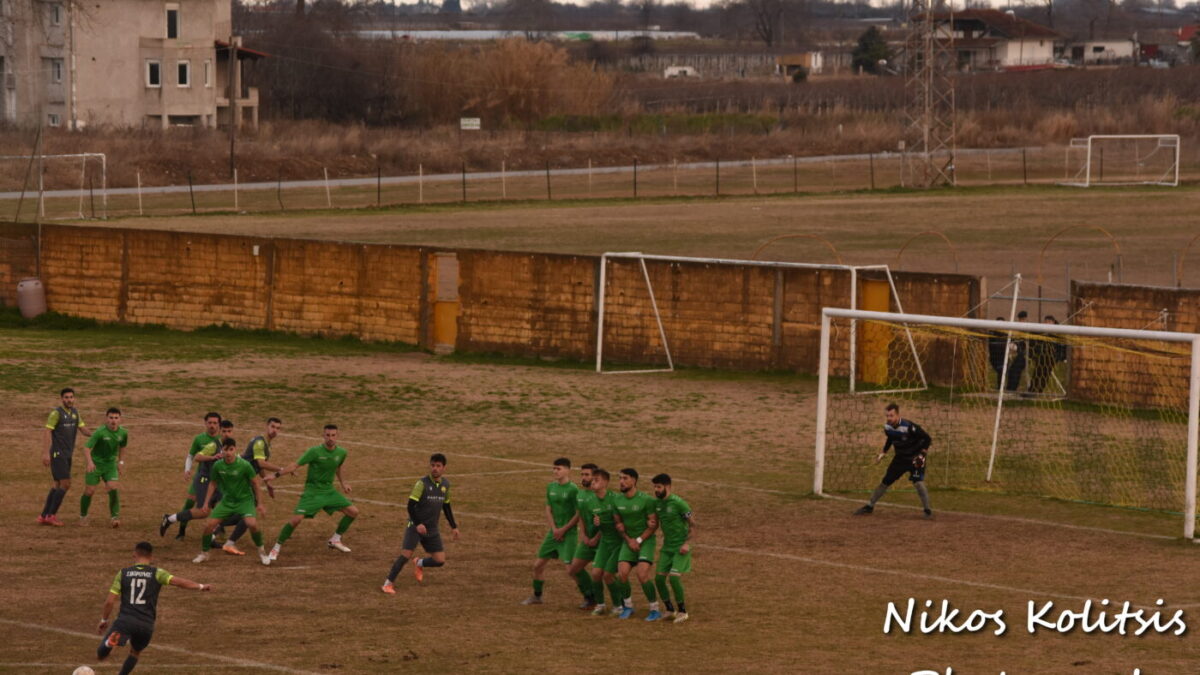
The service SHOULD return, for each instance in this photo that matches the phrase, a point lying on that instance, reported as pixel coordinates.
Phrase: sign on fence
(469, 124)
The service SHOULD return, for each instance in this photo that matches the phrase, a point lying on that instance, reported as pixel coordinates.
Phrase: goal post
(57, 176)
(645, 285)
(1121, 429)
(1123, 159)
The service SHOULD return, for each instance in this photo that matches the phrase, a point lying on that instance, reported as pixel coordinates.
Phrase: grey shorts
(60, 466)
(431, 541)
(203, 489)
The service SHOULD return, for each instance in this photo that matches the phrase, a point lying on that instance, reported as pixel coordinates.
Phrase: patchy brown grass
(782, 583)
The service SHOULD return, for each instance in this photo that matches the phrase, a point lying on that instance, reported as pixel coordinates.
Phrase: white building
(1102, 51)
(989, 39)
(125, 63)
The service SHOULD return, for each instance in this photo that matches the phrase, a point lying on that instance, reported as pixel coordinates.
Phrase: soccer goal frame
(83, 158)
(1084, 177)
(641, 259)
(1193, 414)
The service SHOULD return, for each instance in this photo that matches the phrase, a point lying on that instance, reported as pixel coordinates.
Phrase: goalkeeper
(911, 443)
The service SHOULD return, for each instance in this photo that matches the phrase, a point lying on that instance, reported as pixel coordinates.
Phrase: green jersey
(561, 500)
(323, 464)
(635, 511)
(585, 504)
(605, 508)
(206, 445)
(674, 519)
(234, 480)
(106, 444)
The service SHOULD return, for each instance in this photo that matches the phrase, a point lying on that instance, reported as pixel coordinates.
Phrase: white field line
(198, 667)
(1017, 519)
(493, 458)
(1033, 593)
(158, 646)
(457, 475)
(965, 514)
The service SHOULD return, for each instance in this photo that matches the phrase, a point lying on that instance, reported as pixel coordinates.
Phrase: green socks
(584, 581)
(598, 591)
(344, 524)
(85, 503)
(256, 537)
(660, 582)
(538, 585)
(285, 533)
(648, 589)
(615, 589)
(206, 542)
(677, 588)
(114, 503)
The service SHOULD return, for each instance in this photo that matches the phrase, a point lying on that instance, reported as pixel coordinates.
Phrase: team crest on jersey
(443, 489)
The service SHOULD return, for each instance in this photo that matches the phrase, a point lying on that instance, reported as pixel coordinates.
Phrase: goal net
(648, 305)
(1146, 159)
(1084, 414)
(54, 186)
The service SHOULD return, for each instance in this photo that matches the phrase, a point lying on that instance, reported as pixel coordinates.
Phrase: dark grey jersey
(64, 427)
(429, 497)
(138, 587)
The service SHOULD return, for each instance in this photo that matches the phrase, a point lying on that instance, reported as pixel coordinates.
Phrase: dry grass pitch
(782, 582)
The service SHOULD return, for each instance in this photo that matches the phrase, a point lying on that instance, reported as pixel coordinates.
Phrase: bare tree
(768, 20)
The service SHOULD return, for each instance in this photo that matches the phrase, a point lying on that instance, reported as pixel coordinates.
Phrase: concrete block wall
(526, 304)
(1122, 376)
(18, 258)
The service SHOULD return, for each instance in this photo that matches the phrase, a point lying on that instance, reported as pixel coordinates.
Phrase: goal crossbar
(84, 156)
(1193, 414)
(641, 259)
(1083, 178)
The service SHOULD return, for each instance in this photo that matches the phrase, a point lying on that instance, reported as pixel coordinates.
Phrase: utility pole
(930, 65)
(234, 90)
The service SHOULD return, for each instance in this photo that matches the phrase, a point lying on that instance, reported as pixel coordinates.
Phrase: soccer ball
(83, 670)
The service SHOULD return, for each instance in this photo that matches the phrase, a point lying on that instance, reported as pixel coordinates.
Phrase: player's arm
(691, 521)
(258, 502)
(114, 592)
(571, 524)
(414, 500)
(91, 443)
(449, 513)
(345, 486)
(887, 445)
(651, 527)
(291, 468)
(121, 454)
(48, 436)
(550, 523)
(189, 584)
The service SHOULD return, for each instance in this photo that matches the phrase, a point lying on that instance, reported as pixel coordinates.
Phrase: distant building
(126, 63)
(989, 39)
(1087, 52)
(810, 63)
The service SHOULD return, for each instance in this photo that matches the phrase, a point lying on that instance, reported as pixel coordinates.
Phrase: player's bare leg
(539, 582)
(284, 535)
(348, 515)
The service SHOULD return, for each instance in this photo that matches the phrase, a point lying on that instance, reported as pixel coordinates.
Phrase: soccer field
(781, 582)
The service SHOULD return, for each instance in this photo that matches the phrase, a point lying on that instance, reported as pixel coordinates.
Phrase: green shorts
(105, 471)
(563, 550)
(606, 555)
(645, 554)
(313, 502)
(671, 561)
(225, 509)
(584, 552)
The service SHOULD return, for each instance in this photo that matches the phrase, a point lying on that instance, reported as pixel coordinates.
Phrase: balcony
(248, 99)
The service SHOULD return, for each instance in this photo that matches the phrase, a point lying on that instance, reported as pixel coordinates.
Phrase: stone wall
(739, 317)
